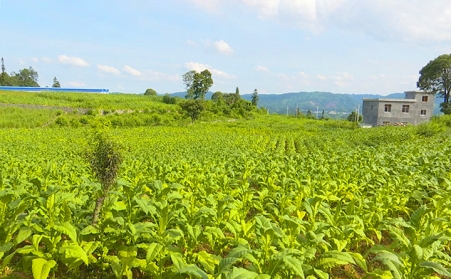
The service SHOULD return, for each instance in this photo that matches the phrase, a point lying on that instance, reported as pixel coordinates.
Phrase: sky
(274, 46)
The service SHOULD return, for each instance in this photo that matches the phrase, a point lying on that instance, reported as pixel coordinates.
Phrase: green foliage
(435, 78)
(353, 117)
(255, 98)
(105, 160)
(193, 108)
(150, 92)
(197, 84)
(271, 197)
(56, 83)
(25, 77)
(167, 99)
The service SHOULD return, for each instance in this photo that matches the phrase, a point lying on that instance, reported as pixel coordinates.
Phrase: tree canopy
(25, 77)
(197, 84)
(151, 92)
(56, 83)
(255, 98)
(435, 78)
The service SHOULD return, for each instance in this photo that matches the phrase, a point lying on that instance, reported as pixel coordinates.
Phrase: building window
(371, 107)
(423, 112)
(424, 98)
(387, 108)
(405, 108)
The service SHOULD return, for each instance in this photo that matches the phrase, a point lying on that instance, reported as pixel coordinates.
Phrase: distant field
(85, 100)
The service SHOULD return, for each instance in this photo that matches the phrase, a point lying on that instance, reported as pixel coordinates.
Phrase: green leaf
(438, 268)
(295, 265)
(225, 263)
(241, 273)
(391, 261)
(194, 271)
(23, 234)
(335, 258)
(89, 230)
(5, 248)
(153, 251)
(321, 274)
(359, 260)
(67, 229)
(41, 268)
(208, 261)
(75, 252)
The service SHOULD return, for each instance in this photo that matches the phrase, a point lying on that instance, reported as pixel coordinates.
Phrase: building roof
(390, 100)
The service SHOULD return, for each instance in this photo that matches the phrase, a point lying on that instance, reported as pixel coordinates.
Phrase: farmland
(271, 197)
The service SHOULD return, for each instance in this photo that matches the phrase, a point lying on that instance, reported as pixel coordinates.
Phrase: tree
(193, 108)
(353, 117)
(237, 91)
(255, 98)
(25, 77)
(435, 78)
(150, 92)
(197, 84)
(56, 83)
(5, 79)
(3, 66)
(217, 96)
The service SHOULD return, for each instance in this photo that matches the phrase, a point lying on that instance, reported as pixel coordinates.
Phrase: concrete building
(417, 107)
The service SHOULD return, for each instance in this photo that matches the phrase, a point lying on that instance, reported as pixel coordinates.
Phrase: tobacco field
(228, 201)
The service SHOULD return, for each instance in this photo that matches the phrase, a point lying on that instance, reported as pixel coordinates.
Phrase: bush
(429, 129)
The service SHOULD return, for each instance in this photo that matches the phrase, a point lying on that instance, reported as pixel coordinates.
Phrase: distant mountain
(334, 105)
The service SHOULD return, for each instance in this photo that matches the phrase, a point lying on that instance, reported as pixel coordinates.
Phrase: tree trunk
(96, 215)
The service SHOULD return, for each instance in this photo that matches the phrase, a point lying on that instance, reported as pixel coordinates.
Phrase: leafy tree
(3, 66)
(25, 77)
(56, 83)
(5, 79)
(197, 84)
(353, 117)
(217, 96)
(237, 91)
(193, 108)
(150, 92)
(255, 98)
(435, 77)
(167, 99)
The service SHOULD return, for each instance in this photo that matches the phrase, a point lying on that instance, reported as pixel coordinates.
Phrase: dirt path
(66, 109)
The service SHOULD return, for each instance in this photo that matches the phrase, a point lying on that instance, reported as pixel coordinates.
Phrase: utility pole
(317, 111)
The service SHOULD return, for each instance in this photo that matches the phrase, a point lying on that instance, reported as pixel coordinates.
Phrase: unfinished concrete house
(417, 107)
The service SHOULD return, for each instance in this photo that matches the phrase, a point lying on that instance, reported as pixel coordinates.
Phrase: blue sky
(274, 46)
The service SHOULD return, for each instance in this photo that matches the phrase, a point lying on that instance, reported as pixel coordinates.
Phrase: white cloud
(402, 20)
(303, 75)
(132, 71)
(260, 68)
(223, 47)
(199, 67)
(321, 77)
(342, 79)
(108, 69)
(73, 61)
(76, 84)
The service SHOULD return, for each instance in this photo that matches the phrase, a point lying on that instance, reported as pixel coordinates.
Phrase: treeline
(25, 77)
